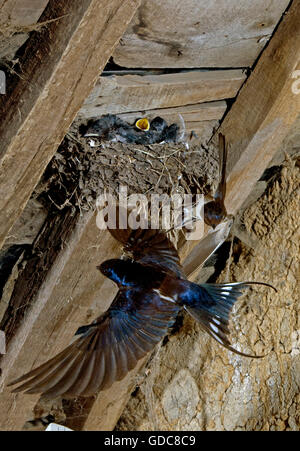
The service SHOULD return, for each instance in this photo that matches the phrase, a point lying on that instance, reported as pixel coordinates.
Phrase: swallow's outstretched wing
(211, 305)
(106, 350)
(148, 247)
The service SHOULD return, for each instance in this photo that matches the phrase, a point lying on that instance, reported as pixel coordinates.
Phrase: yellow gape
(143, 124)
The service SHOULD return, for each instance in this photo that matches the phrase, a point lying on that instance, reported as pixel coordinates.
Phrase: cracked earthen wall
(193, 383)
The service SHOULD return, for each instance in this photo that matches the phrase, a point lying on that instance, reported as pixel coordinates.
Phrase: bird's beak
(91, 134)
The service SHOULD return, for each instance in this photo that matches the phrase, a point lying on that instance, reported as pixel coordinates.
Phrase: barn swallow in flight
(152, 290)
(215, 211)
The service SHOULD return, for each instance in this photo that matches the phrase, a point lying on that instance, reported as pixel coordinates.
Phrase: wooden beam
(2, 342)
(22, 13)
(59, 69)
(266, 109)
(129, 93)
(106, 410)
(74, 292)
(193, 33)
(17, 20)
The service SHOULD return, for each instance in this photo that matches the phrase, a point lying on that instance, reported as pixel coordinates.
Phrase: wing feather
(83, 378)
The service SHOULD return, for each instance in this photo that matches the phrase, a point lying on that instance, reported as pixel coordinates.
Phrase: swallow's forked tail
(211, 305)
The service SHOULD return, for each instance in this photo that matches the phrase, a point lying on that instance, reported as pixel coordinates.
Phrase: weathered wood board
(191, 113)
(73, 292)
(201, 129)
(14, 17)
(17, 13)
(198, 33)
(131, 93)
(62, 67)
(265, 111)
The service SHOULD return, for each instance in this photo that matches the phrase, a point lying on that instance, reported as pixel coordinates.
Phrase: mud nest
(79, 173)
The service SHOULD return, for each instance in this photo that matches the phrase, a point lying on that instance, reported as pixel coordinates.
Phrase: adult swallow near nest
(215, 211)
(152, 290)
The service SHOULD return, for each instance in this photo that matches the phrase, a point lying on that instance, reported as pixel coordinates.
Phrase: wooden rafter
(74, 291)
(63, 64)
(192, 33)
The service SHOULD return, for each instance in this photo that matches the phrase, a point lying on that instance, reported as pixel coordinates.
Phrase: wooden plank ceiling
(63, 66)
